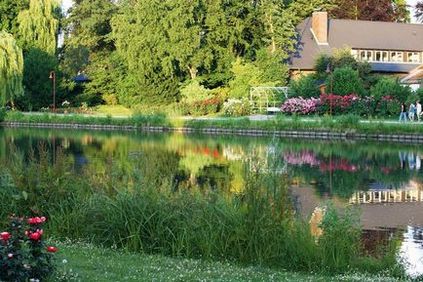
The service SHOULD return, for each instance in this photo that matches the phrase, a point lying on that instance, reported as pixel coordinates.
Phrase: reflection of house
(412, 193)
(388, 47)
(372, 216)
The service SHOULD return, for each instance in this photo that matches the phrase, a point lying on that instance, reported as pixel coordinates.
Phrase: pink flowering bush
(300, 106)
(304, 157)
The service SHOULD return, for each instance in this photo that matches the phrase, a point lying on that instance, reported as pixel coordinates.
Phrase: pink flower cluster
(337, 100)
(301, 158)
(300, 105)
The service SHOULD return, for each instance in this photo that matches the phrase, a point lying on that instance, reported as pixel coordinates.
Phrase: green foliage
(39, 25)
(345, 81)
(9, 10)
(23, 253)
(237, 107)
(390, 87)
(245, 75)
(11, 69)
(305, 86)
(342, 58)
(194, 91)
(38, 86)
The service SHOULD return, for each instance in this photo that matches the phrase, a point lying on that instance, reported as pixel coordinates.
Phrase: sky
(68, 3)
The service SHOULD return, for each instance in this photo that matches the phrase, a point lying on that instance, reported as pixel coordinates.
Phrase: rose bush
(24, 256)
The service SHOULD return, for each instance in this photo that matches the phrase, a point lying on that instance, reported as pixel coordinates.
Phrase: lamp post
(53, 80)
(329, 72)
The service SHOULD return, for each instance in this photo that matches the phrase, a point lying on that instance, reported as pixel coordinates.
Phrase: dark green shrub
(345, 81)
(305, 86)
(390, 87)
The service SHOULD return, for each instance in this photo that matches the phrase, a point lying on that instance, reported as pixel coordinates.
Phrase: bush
(300, 106)
(245, 76)
(305, 87)
(345, 81)
(23, 254)
(237, 107)
(339, 104)
(390, 87)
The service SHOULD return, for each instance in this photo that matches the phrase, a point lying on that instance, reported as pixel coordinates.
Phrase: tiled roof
(359, 35)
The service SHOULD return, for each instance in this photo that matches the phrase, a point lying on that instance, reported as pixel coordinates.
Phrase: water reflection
(386, 181)
(411, 251)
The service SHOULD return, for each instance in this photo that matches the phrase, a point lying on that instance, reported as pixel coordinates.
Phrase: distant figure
(403, 114)
(418, 110)
(411, 111)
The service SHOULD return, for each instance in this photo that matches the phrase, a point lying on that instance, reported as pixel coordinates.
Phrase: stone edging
(403, 138)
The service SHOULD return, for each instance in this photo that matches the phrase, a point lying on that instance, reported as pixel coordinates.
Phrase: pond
(385, 180)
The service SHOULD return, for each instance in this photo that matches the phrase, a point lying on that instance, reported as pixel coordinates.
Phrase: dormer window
(386, 56)
(413, 57)
(397, 57)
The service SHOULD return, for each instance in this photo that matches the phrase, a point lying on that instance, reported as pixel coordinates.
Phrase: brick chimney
(319, 27)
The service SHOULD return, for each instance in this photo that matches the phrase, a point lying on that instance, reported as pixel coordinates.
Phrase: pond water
(385, 180)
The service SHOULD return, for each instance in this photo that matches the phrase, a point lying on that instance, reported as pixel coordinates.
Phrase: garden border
(309, 134)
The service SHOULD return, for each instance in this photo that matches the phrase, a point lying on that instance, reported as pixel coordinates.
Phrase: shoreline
(321, 134)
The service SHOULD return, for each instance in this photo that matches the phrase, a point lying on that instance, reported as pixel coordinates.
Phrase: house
(391, 48)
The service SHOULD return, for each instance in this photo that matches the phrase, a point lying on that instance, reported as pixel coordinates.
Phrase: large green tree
(89, 49)
(9, 10)
(39, 25)
(11, 69)
(37, 34)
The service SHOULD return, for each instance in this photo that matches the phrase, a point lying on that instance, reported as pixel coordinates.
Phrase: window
(365, 55)
(381, 56)
(397, 57)
(354, 53)
(413, 57)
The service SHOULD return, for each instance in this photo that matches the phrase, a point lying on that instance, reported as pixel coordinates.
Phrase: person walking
(418, 109)
(411, 111)
(403, 114)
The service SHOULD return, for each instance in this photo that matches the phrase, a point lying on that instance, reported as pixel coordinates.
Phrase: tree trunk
(192, 72)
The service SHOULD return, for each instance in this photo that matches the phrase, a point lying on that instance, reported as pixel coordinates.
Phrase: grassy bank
(344, 124)
(89, 263)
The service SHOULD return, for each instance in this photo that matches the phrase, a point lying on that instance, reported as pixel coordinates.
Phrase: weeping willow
(11, 68)
(38, 26)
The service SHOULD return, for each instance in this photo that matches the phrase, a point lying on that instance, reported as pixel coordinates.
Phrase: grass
(92, 263)
(117, 110)
(342, 124)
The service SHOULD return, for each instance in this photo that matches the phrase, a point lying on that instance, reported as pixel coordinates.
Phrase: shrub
(23, 254)
(245, 76)
(237, 107)
(208, 106)
(345, 81)
(390, 87)
(194, 91)
(300, 106)
(339, 104)
(305, 87)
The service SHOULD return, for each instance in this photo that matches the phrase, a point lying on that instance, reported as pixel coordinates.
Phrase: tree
(376, 10)
(11, 69)
(419, 11)
(88, 48)
(345, 81)
(39, 25)
(9, 10)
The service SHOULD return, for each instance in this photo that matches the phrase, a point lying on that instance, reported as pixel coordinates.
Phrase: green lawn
(94, 264)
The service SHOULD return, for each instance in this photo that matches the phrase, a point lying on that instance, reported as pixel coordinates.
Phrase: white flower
(64, 261)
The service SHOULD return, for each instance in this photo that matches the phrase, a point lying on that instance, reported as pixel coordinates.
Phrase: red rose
(51, 249)
(35, 236)
(36, 220)
(5, 236)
